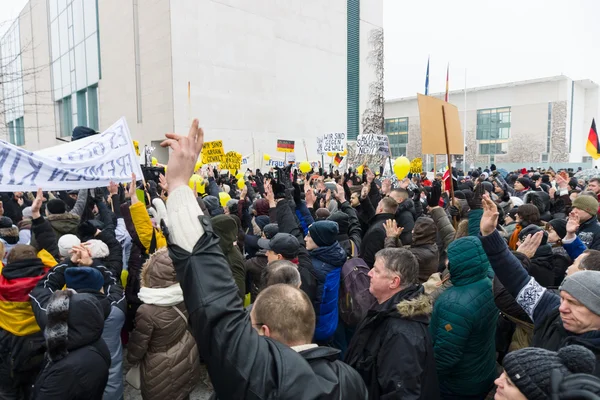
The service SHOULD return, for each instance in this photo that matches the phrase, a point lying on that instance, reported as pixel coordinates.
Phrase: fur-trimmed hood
(64, 223)
(158, 271)
(415, 307)
(10, 235)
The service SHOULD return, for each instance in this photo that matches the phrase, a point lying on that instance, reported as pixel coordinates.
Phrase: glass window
(80, 70)
(56, 78)
(78, 21)
(92, 95)
(66, 117)
(65, 73)
(89, 16)
(91, 52)
(19, 132)
(55, 39)
(81, 108)
(493, 123)
(63, 33)
(11, 132)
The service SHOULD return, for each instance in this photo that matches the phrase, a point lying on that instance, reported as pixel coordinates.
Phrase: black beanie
(530, 368)
(56, 206)
(525, 182)
(559, 226)
(342, 220)
(324, 233)
(5, 222)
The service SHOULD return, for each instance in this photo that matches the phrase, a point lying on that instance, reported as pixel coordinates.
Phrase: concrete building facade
(256, 71)
(541, 122)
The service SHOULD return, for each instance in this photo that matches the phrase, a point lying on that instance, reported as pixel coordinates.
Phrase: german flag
(592, 146)
(285, 146)
(337, 160)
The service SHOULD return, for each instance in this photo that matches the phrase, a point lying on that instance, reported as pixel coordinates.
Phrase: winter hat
(546, 179)
(585, 287)
(66, 243)
(587, 204)
(27, 212)
(530, 368)
(8, 232)
(324, 233)
(488, 187)
(78, 278)
(56, 206)
(5, 222)
(213, 205)
(343, 221)
(559, 226)
(573, 183)
(81, 132)
(493, 167)
(531, 230)
(86, 230)
(513, 212)
(322, 214)
(262, 221)
(97, 248)
(525, 182)
(270, 230)
(232, 205)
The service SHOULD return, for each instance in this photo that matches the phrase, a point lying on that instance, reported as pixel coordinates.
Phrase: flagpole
(465, 129)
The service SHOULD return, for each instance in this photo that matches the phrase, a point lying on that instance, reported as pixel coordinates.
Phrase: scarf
(165, 297)
(514, 238)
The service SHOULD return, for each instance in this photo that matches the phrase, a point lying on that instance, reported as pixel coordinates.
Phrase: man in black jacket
(392, 348)
(241, 363)
(374, 238)
(405, 214)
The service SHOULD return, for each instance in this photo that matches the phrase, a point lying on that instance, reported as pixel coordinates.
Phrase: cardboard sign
(433, 139)
(334, 142)
(86, 163)
(320, 145)
(285, 146)
(232, 161)
(416, 165)
(212, 152)
(372, 144)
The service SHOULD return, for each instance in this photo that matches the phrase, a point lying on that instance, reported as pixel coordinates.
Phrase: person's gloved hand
(433, 197)
(475, 201)
(416, 194)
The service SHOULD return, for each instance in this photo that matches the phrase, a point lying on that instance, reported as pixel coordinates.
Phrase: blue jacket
(327, 263)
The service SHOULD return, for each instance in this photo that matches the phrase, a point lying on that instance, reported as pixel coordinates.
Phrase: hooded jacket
(392, 348)
(226, 229)
(424, 247)
(463, 322)
(374, 239)
(64, 224)
(77, 357)
(327, 263)
(160, 341)
(405, 217)
(261, 367)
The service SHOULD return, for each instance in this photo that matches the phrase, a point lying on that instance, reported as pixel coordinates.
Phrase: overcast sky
(497, 41)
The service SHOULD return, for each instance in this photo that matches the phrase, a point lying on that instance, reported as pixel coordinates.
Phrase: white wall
(371, 17)
(272, 70)
(581, 128)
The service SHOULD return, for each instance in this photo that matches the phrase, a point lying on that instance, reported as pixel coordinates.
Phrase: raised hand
(531, 244)
(131, 190)
(162, 182)
(391, 228)
(489, 220)
(572, 224)
(184, 155)
(36, 205)
(339, 194)
(113, 188)
(310, 197)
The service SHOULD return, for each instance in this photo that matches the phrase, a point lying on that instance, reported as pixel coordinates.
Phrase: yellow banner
(212, 152)
(416, 165)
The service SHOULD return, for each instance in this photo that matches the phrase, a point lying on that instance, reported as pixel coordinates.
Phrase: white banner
(86, 163)
(334, 142)
(372, 144)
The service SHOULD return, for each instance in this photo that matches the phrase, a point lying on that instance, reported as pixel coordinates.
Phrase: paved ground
(202, 392)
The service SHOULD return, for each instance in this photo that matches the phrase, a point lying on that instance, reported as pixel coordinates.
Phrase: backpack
(354, 296)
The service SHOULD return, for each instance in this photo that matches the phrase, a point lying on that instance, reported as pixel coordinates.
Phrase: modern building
(251, 71)
(540, 122)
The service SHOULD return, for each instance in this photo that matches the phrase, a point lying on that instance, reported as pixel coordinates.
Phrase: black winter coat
(589, 233)
(405, 218)
(374, 239)
(260, 367)
(392, 348)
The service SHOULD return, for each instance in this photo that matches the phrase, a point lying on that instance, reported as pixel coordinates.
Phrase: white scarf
(167, 297)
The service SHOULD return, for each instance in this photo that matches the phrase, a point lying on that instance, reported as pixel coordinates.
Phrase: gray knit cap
(585, 287)
(530, 368)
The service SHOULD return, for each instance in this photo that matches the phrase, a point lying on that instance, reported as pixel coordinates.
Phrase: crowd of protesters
(325, 284)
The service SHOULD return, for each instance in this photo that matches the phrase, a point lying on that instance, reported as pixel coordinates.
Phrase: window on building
(81, 108)
(397, 131)
(586, 159)
(92, 96)
(493, 123)
(544, 157)
(65, 112)
(16, 132)
(492, 148)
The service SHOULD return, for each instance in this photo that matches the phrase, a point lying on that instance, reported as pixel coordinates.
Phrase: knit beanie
(322, 214)
(559, 226)
(27, 212)
(66, 243)
(56, 206)
(97, 248)
(584, 286)
(343, 221)
(587, 204)
(525, 182)
(532, 230)
(78, 278)
(530, 368)
(5, 222)
(324, 233)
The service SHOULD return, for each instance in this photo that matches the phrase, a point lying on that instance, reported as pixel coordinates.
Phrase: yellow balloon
(241, 184)
(197, 179)
(330, 154)
(305, 167)
(239, 176)
(154, 161)
(401, 167)
(224, 198)
(344, 153)
(165, 169)
(198, 165)
(266, 157)
(360, 169)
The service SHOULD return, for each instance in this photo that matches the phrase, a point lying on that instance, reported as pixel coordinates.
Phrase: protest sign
(372, 144)
(232, 161)
(334, 142)
(212, 152)
(433, 139)
(416, 165)
(86, 163)
(285, 146)
(320, 145)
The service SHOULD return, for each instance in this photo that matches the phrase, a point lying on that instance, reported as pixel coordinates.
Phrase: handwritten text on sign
(212, 152)
(334, 142)
(232, 161)
(86, 163)
(372, 144)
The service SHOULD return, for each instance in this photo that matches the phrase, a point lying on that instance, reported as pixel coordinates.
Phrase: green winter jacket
(463, 323)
